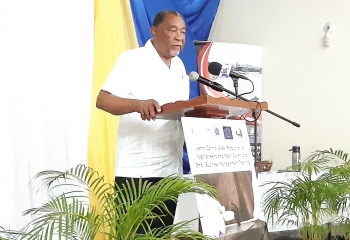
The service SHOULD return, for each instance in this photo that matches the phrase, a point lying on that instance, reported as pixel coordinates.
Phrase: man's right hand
(148, 109)
(119, 106)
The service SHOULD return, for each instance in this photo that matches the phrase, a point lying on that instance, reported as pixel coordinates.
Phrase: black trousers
(167, 219)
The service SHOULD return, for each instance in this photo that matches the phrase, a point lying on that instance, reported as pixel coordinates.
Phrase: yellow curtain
(114, 33)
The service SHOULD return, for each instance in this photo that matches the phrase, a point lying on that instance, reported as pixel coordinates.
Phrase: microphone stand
(275, 114)
(269, 111)
(219, 87)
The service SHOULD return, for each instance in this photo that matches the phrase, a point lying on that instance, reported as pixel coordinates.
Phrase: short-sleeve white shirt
(148, 148)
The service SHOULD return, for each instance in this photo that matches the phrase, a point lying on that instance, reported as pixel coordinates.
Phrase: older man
(141, 81)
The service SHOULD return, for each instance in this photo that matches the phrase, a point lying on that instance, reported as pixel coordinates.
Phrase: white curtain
(46, 63)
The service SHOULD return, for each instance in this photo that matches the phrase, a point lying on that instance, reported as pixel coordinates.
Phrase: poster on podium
(243, 59)
(219, 154)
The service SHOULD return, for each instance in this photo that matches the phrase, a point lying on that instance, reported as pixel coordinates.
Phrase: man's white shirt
(148, 148)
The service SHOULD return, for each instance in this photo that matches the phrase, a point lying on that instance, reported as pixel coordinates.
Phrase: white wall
(46, 62)
(302, 79)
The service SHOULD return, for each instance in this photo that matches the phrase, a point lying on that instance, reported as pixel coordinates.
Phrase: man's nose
(178, 36)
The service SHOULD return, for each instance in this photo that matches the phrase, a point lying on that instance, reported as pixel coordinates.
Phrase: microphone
(215, 69)
(214, 85)
(218, 87)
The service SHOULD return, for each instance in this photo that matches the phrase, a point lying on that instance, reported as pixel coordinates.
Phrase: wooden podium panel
(205, 106)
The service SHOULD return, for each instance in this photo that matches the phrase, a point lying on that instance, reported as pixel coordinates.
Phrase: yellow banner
(114, 33)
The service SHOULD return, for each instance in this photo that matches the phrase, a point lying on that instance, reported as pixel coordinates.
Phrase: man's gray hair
(159, 18)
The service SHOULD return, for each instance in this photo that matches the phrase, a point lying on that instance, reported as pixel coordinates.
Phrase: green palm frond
(137, 209)
(317, 191)
(328, 156)
(319, 161)
(121, 211)
(83, 178)
(69, 218)
(301, 198)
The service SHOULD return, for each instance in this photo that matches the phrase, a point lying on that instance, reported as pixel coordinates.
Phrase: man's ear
(154, 31)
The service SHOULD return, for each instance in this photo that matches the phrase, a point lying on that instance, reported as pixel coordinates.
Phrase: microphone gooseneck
(218, 87)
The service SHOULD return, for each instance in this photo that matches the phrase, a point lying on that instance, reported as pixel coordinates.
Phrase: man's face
(170, 36)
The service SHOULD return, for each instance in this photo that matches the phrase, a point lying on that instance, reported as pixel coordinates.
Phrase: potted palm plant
(318, 194)
(118, 212)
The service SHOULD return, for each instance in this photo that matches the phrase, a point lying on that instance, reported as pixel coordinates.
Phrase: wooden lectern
(205, 106)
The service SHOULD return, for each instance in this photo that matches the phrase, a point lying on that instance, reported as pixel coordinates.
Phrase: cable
(251, 90)
(255, 117)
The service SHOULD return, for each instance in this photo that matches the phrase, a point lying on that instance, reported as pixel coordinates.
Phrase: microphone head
(215, 68)
(193, 76)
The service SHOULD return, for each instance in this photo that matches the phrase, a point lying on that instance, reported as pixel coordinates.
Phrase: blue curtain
(198, 15)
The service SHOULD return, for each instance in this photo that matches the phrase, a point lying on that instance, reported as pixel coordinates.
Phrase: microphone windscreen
(215, 68)
(193, 76)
